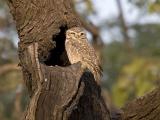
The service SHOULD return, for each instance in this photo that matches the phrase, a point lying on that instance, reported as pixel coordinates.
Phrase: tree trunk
(57, 89)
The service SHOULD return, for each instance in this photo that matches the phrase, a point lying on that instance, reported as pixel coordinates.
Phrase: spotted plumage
(79, 49)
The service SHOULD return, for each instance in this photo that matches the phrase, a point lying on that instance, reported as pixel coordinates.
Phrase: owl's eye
(73, 33)
(82, 33)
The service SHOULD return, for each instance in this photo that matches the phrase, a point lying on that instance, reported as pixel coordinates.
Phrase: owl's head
(76, 33)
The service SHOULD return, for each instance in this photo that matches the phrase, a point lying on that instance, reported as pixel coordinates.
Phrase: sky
(106, 10)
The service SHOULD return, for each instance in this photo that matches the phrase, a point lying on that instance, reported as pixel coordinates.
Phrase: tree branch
(8, 67)
(143, 108)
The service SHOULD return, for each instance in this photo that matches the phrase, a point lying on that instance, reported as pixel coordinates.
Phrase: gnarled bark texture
(58, 90)
(143, 108)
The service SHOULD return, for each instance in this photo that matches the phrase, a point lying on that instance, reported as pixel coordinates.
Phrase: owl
(79, 49)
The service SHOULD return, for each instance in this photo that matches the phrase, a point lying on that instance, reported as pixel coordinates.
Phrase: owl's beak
(77, 36)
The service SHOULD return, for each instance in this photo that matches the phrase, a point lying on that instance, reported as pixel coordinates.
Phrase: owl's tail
(97, 72)
(97, 77)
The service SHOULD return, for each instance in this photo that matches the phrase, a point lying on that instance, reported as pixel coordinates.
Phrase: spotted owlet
(79, 49)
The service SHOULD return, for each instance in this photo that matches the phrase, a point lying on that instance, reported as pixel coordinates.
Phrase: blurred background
(125, 34)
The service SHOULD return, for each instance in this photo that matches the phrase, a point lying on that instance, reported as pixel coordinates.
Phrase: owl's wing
(89, 55)
(84, 52)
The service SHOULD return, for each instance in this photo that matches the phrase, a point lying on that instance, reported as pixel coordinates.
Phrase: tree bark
(124, 26)
(143, 108)
(57, 89)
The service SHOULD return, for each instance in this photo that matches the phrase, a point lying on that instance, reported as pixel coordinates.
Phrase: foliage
(136, 79)
(10, 80)
(153, 6)
(121, 66)
(114, 57)
(8, 52)
(139, 3)
(147, 41)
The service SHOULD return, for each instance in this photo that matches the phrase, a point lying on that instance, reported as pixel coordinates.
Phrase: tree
(56, 92)
(63, 91)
